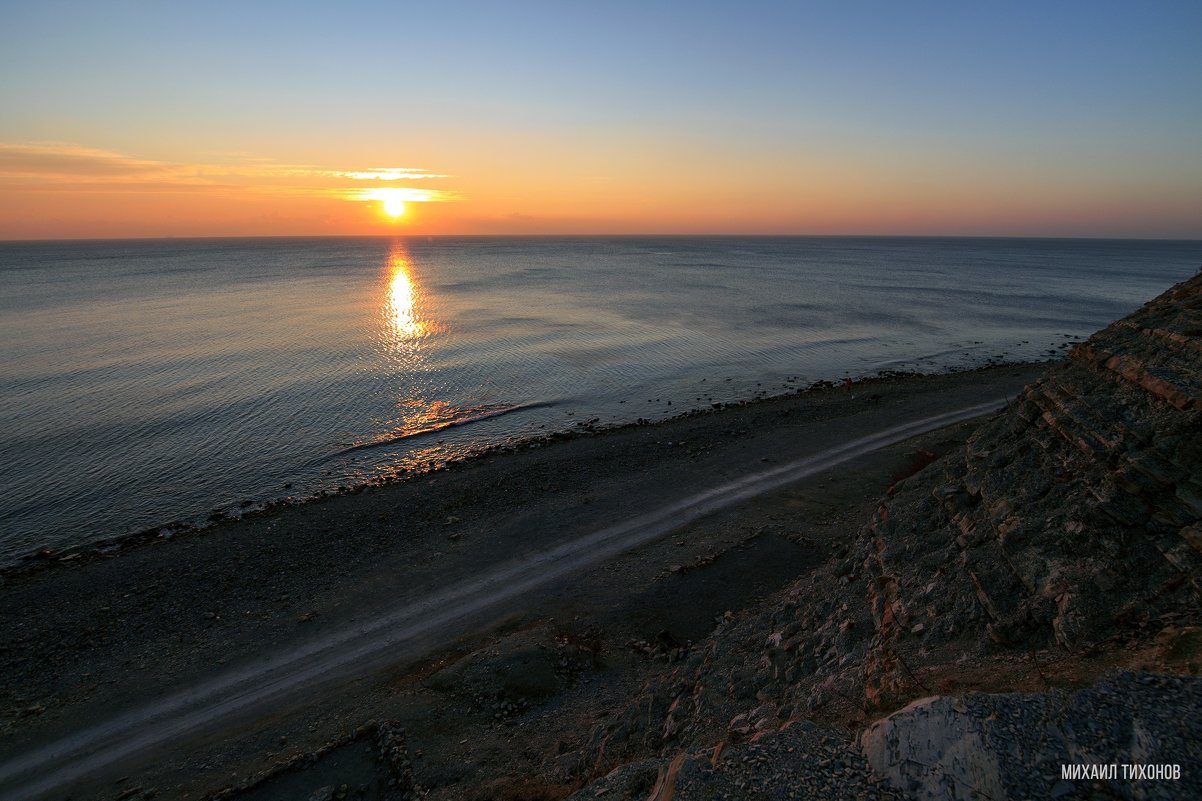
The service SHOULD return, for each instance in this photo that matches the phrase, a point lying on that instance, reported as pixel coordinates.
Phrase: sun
(394, 207)
(394, 201)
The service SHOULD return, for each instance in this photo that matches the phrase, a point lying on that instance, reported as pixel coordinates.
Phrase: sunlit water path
(149, 381)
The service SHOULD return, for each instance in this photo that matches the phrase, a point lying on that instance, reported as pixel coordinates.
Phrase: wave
(461, 418)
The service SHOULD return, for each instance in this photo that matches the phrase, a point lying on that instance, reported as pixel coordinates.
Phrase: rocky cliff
(1062, 543)
(1069, 519)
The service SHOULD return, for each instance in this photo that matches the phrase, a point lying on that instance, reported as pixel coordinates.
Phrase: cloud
(58, 162)
(404, 194)
(71, 167)
(369, 174)
(383, 174)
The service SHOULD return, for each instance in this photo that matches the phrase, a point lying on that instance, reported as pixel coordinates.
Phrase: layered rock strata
(1070, 518)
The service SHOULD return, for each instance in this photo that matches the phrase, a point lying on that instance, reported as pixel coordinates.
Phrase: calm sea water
(149, 381)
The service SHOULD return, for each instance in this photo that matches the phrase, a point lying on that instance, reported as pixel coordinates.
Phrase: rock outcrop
(1069, 519)
(1068, 526)
(1043, 745)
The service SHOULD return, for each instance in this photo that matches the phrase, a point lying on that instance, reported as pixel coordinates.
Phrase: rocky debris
(797, 658)
(301, 762)
(800, 761)
(386, 774)
(1013, 746)
(390, 747)
(664, 647)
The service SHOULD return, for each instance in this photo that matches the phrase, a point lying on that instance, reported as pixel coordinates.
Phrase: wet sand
(87, 640)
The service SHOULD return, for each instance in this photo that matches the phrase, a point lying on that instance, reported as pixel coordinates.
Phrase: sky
(152, 119)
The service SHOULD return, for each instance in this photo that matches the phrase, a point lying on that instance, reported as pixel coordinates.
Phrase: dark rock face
(1070, 517)
(1069, 524)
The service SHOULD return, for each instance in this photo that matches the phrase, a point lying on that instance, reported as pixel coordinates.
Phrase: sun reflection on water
(404, 329)
(402, 305)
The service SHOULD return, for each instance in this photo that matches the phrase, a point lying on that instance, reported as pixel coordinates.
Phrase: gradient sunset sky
(146, 119)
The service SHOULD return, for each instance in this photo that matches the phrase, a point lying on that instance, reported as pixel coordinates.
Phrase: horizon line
(233, 237)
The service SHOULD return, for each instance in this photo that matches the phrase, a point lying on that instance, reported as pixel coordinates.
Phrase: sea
(148, 384)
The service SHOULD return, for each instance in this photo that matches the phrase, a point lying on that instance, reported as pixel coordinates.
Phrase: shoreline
(111, 545)
(102, 456)
(162, 617)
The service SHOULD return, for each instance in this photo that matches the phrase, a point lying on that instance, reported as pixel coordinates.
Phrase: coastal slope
(1059, 544)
